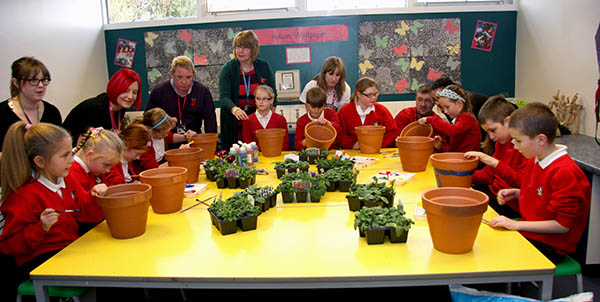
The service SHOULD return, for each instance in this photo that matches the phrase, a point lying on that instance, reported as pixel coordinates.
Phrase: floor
(563, 287)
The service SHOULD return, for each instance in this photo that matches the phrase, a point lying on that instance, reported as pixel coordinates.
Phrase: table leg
(546, 288)
(41, 291)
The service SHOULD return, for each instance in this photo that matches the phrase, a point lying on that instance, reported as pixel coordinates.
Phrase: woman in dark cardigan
(242, 74)
(106, 110)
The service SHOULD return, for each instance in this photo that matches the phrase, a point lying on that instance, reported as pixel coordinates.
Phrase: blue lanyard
(247, 86)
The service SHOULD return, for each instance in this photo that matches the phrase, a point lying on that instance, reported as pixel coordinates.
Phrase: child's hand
(437, 142)
(304, 142)
(164, 165)
(484, 158)
(174, 122)
(504, 222)
(422, 121)
(356, 146)
(505, 195)
(189, 134)
(48, 218)
(184, 146)
(323, 121)
(99, 189)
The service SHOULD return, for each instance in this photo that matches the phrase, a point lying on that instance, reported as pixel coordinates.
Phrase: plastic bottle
(243, 157)
(233, 153)
(250, 155)
(254, 151)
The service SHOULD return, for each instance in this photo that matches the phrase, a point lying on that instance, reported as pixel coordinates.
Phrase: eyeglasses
(35, 82)
(263, 99)
(370, 95)
(242, 47)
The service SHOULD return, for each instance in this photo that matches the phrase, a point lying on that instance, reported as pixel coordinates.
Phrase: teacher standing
(237, 81)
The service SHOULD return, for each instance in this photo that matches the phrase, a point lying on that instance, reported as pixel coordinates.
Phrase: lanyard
(179, 107)
(112, 120)
(247, 87)
(24, 113)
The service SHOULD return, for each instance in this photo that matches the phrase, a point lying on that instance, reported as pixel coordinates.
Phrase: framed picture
(125, 53)
(483, 38)
(298, 55)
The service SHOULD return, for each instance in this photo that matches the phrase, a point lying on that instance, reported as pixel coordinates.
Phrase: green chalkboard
(485, 72)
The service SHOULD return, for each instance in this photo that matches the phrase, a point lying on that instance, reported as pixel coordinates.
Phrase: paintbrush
(67, 211)
(198, 203)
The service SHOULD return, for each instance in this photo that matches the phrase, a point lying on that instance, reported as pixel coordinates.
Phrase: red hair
(119, 83)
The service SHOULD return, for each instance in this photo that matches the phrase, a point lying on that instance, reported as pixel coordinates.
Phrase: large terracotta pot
(168, 185)
(319, 136)
(414, 152)
(188, 158)
(416, 129)
(370, 138)
(207, 142)
(125, 208)
(452, 169)
(454, 216)
(270, 141)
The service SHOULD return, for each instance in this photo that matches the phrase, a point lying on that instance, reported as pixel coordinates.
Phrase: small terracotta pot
(454, 216)
(168, 185)
(319, 136)
(125, 208)
(207, 142)
(452, 169)
(414, 152)
(370, 138)
(188, 158)
(416, 129)
(270, 141)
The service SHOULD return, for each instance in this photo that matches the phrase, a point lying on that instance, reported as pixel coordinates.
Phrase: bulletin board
(480, 71)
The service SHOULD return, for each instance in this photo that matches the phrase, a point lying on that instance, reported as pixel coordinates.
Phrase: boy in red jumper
(264, 117)
(315, 111)
(363, 109)
(554, 199)
(503, 168)
(464, 134)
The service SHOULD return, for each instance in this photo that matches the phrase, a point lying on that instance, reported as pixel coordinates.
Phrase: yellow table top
(307, 241)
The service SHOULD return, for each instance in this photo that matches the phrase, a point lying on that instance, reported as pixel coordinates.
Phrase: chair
(569, 267)
(26, 289)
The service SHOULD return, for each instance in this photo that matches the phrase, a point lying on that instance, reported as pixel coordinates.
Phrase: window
(317, 5)
(139, 10)
(219, 6)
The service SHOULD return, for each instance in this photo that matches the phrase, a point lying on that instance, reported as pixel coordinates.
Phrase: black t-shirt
(50, 115)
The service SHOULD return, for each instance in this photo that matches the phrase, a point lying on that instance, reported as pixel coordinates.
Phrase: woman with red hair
(107, 109)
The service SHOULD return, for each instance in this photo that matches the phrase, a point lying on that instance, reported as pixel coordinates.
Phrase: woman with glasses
(28, 83)
(107, 109)
(363, 109)
(238, 80)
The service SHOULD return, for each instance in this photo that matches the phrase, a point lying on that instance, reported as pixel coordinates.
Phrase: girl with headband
(463, 131)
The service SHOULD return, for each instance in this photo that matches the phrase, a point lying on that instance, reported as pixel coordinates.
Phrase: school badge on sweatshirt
(193, 102)
(539, 191)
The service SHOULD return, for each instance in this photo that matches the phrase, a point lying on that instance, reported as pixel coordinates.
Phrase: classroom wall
(556, 50)
(66, 36)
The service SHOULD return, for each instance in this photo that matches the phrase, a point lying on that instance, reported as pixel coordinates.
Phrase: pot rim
(478, 207)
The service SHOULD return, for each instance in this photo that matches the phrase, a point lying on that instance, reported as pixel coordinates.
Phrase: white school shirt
(264, 120)
(363, 114)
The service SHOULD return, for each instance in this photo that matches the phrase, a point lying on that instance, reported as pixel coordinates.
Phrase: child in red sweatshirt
(503, 168)
(464, 134)
(315, 111)
(363, 109)
(264, 117)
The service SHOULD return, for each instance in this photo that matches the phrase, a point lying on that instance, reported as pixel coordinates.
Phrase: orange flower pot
(370, 138)
(452, 169)
(168, 185)
(207, 142)
(125, 208)
(414, 152)
(319, 136)
(270, 141)
(416, 129)
(454, 216)
(188, 158)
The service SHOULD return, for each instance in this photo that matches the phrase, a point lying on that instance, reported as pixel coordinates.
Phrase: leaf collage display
(209, 49)
(403, 55)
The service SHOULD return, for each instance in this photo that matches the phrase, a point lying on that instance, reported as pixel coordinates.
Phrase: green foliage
(318, 186)
(239, 205)
(337, 174)
(374, 192)
(378, 217)
(287, 164)
(137, 10)
(334, 162)
(247, 172)
(288, 180)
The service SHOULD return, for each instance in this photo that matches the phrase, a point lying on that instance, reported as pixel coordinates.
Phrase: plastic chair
(570, 267)
(26, 289)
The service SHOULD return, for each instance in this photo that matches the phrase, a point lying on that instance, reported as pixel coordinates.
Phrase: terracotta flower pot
(270, 141)
(414, 152)
(188, 158)
(454, 216)
(370, 138)
(125, 208)
(416, 129)
(452, 169)
(207, 142)
(319, 136)
(168, 185)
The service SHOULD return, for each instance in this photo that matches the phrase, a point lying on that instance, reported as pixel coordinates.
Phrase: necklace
(25, 113)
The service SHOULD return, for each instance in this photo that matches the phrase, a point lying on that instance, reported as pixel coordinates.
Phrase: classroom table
(297, 245)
